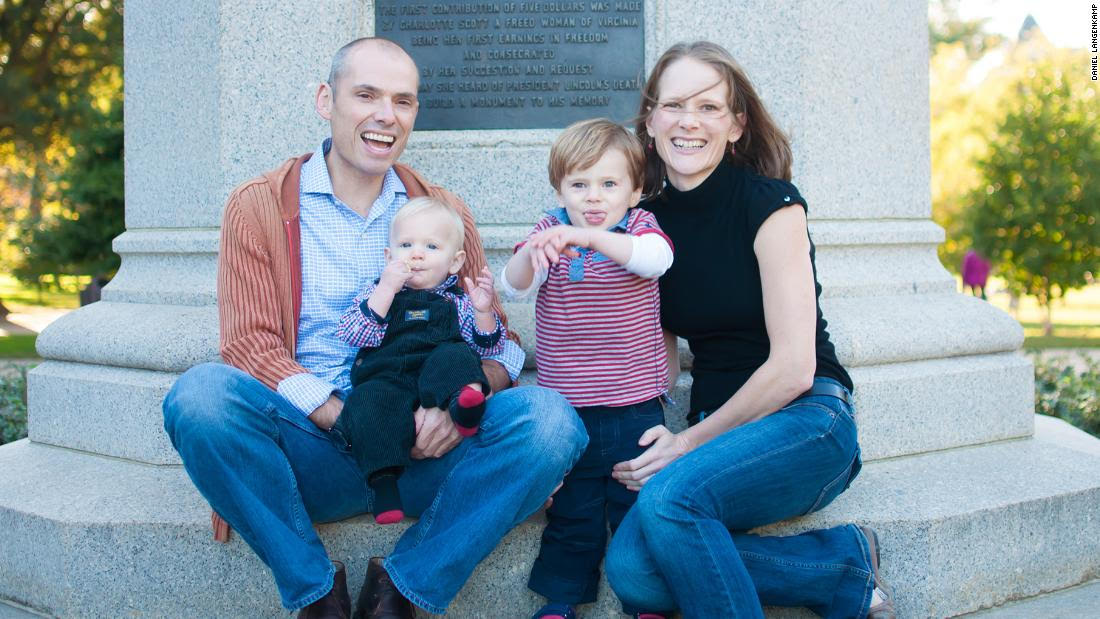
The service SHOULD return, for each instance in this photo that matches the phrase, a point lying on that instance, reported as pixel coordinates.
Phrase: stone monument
(974, 502)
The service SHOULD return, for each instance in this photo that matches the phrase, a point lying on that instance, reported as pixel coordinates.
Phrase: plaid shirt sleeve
(511, 357)
(486, 345)
(359, 325)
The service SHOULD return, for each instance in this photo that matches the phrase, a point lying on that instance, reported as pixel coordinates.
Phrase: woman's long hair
(762, 145)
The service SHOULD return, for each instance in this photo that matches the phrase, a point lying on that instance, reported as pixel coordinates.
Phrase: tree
(54, 55)
(963, 115)
(1035, 213)
(946, 27)
(78, 239)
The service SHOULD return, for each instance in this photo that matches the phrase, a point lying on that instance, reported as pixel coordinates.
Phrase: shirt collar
(447, 283)
(316, 179)
(563, 216)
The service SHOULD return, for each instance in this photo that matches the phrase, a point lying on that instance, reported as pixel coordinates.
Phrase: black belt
(820, 387)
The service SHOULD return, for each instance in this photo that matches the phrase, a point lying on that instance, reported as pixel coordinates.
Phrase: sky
(1066, 23)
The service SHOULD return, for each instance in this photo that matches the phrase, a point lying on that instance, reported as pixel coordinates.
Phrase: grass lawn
(1076, 317)
(66, 293)
(18, 347)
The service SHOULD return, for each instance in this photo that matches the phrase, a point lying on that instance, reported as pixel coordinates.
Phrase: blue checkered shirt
(342, 253)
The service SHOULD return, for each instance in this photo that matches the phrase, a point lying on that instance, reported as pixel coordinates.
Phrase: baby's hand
(394, 275)
(481, 292)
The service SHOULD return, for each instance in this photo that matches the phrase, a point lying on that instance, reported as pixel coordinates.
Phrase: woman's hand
(664, 447)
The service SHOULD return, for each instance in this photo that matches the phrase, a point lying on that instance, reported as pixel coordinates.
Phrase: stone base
(962, 529)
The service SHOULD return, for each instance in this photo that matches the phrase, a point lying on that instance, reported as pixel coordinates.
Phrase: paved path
(30, 319)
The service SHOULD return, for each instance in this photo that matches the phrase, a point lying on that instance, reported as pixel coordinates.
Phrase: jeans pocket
(336, 435)
(838, 484)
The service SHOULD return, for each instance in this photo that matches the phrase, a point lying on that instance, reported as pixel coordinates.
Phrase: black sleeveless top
(711, 296)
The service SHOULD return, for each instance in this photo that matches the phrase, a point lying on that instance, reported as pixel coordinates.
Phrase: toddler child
(595, 263)
(418, 332)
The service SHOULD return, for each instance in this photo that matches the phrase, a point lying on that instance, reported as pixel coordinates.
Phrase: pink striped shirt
(598, 328)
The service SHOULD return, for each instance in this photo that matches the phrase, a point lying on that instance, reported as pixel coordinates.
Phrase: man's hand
(325, 415)
(499, 380)
(435, 433)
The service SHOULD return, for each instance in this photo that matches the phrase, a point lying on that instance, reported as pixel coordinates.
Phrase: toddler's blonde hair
(582, 144)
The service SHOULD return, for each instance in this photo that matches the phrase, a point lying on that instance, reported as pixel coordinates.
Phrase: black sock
(387, 499)
(466, 408)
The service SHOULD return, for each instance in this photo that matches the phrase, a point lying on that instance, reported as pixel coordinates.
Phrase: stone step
(117, 411)
(962, 529)
(14, 611)
(1080, 601)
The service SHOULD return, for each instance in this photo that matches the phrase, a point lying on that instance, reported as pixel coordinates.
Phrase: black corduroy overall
(421, 361)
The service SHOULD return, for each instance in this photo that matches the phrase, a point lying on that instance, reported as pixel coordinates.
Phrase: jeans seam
(403, 588)
(836, 567)
(427, 518)
(841, 476)
(713, 563)
(788, 447)
(865, 553)
(309, 599)
(273, 414)
(294, 505)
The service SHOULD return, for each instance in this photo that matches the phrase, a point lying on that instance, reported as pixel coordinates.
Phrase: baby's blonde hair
(431, 205)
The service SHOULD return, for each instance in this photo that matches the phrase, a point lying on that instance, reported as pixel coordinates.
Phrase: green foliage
(78, 239)
(60, 74)
(1074, 396)
(1035, 213)
(945, 26)
(51, 52)
(13, 403)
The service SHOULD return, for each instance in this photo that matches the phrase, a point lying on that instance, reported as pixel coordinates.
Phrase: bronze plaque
(520, 65)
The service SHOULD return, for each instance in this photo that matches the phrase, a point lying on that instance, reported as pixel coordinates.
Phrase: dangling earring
(650, 146)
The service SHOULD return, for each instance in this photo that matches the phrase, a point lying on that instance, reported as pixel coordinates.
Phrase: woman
(771, 435)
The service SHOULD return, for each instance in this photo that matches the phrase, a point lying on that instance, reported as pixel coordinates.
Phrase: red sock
(467, 410)
(470, 397)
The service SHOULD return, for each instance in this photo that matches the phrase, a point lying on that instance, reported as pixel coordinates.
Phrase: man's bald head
(368, 44)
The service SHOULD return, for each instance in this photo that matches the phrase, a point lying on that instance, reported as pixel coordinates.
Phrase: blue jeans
(567, 568)
(684, 545)
(271, 473)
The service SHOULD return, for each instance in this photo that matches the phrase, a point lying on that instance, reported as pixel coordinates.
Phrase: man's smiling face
(371, 108)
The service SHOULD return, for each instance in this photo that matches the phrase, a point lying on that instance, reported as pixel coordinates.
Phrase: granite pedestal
(975, 505)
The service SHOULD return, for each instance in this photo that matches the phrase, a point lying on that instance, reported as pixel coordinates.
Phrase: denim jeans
(271, 473)
(684, 545)
(573, 543)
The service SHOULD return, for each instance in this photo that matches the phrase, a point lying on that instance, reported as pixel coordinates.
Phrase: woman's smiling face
(691, 122)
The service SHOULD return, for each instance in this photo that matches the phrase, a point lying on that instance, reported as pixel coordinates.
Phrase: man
(256, 438)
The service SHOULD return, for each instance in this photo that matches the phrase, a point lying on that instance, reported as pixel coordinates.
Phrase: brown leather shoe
(336, 604)
(379, 598)
(882, 598)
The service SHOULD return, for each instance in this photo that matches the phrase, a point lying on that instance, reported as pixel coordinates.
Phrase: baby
(595, 262)
(418, 333)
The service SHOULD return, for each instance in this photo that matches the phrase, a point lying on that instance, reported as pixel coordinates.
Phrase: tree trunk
(4, 311)
(38, 188)
(1046, 302)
